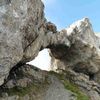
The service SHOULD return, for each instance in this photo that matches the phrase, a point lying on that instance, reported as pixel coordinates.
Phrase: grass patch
(21, 91)
(33, 88)
(72, 87)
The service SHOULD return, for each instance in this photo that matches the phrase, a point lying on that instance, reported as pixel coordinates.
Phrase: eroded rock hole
(42, 61)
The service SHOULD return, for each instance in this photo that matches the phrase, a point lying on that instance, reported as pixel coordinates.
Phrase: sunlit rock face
(21, 23)
(24, 32)
(10, 38)
(83, 54)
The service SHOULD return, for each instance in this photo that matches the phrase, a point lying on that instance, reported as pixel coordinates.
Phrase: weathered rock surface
(57, 91)
(83, 53)
(25, 83)
(75, 52)
(30, 83)
(81, 56)
(22, 32)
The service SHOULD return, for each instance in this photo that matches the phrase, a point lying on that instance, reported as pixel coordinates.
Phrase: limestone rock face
(80, 57)
(25, 75)
(75, 52)
(83, 53)
(22, 22)
(30, 83)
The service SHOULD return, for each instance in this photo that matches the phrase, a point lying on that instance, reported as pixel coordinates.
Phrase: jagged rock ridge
(24, 31)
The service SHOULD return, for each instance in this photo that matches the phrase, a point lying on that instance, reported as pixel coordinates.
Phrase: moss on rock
(72, 87)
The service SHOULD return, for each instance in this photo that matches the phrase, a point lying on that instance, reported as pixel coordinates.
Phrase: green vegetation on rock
(31, 89)
(72, 87)
(22, 91)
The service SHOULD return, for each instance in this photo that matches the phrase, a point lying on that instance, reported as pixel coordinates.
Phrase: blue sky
(65, 12)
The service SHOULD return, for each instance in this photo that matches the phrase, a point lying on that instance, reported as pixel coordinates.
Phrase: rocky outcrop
(15, 23)
(24, 81)
(83, 52)
(81, 56)
(30, 83)
(23, 33)
(75, 53)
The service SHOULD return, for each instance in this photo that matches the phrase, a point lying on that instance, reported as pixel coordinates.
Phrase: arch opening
(42, 61)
